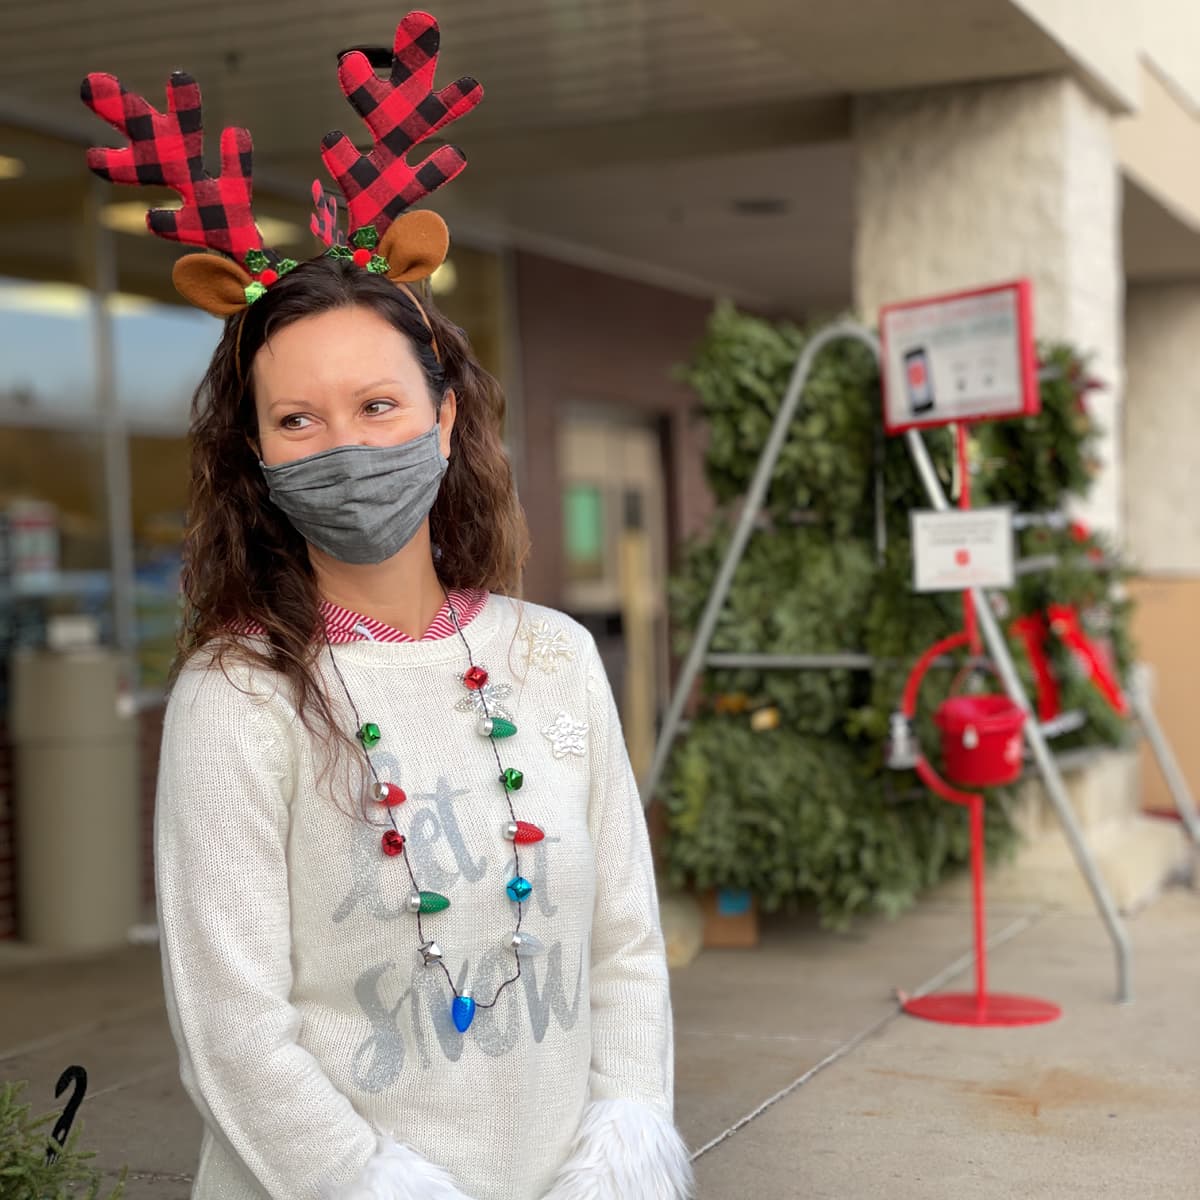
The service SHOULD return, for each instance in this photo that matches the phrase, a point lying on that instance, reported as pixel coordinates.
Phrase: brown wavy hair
(246, 568)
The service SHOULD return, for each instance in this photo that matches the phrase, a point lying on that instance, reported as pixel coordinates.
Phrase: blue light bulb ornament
(463, 1012)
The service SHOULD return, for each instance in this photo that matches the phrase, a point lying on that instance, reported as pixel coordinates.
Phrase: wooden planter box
(730, 919)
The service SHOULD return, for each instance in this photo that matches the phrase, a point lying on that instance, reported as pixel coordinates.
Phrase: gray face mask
(360, 504)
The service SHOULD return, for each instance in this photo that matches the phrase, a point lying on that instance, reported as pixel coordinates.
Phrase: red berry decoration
(361, 256)
(269, 276)
(475, 678)
(393, 843)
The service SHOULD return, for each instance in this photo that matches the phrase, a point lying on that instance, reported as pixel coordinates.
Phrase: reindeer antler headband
(166, 149)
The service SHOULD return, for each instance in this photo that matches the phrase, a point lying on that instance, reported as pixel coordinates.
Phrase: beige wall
(1159, 146)
(1170, 39)
(1162, 427)
(1101, 36)
(1162, 431)
(1164, 629)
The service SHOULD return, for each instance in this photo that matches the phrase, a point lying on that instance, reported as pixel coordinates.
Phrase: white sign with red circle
(956, 550)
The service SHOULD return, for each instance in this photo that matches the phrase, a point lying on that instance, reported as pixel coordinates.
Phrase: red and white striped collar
(342, 625)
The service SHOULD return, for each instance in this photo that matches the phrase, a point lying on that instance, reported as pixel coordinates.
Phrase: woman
(406, 900)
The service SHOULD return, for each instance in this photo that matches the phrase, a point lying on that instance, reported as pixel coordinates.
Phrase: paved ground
(797, 1077)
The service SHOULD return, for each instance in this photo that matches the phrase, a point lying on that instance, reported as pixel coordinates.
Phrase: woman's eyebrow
(285, 402)
(375, 383)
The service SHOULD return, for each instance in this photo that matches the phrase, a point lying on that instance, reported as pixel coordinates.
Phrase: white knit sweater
(318, 1048)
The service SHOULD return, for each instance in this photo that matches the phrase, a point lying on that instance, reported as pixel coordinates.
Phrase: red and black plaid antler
(400, 112)
(166, 149)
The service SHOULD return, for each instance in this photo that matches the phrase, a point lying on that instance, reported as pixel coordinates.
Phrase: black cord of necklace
(507, 797)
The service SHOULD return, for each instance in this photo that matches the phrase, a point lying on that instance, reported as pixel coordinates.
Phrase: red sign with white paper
(965, 356)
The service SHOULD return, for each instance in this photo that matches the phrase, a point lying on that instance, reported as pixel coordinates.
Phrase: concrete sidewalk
(797, 1077)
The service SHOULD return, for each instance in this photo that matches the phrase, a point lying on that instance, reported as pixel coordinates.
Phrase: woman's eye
(295, 421)
(375, 407)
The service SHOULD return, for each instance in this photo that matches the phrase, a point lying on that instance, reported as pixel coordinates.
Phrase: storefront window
(45, 352)
(161, 352)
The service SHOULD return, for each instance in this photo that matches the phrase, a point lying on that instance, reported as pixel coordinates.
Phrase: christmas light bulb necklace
(394, 844)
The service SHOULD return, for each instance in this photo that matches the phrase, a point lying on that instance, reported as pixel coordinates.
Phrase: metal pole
(115, 441)
(1169, 765)
(1055, 789)
(754, 499)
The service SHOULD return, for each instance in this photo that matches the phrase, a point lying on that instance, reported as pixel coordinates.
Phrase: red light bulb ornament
(387, 794)
(523, 833)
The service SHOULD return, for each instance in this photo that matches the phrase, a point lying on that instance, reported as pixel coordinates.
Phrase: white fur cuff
(397, 1172)
(624, 1150)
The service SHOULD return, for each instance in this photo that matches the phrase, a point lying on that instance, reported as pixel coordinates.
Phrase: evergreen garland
(24, 1172)
(741, 372)
(779, 783)
(1037, 463)
(792, 593)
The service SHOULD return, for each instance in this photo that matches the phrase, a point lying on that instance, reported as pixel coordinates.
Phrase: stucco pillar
(963, 186)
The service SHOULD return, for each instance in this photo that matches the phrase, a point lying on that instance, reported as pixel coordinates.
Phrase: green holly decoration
(256, 261)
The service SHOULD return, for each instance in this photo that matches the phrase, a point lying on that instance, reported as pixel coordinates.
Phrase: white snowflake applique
(487, 701)
(547, 646)
(567, 736)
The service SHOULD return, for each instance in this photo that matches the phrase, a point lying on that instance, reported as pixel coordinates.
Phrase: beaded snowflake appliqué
(547, 646)
(566, 736)
(487, 701)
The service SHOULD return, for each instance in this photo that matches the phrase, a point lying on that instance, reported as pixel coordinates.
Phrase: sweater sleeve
(627, 1147)
(221, 825)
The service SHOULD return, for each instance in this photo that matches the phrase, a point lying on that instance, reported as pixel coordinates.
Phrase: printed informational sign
(956, 550)
(968, 356)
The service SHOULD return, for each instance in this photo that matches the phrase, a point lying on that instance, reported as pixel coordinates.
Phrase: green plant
(24, 1172)
(792, 816)
(1036, 463)
(794, 592)
(740, 373)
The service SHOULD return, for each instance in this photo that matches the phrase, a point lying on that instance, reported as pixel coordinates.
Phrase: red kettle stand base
(969, 1008)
